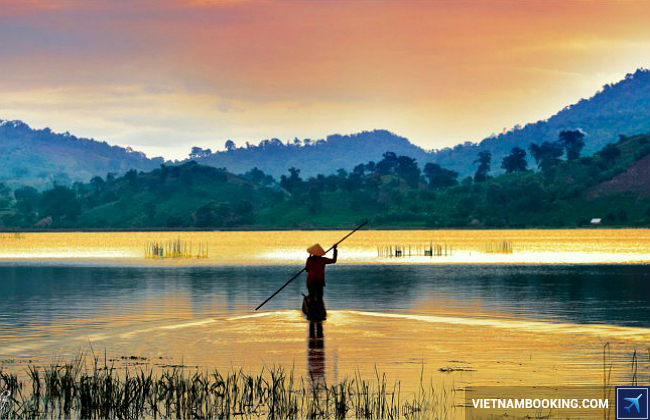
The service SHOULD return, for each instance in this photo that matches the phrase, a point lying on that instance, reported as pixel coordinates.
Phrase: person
(315, 267)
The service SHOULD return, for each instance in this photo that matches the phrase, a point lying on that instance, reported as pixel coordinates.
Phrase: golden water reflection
(579, 246)
(455, 350)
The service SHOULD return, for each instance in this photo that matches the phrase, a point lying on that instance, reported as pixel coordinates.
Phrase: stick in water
(301, 271)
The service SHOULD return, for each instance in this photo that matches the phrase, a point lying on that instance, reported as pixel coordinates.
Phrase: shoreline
(311, 229)
(136, 263)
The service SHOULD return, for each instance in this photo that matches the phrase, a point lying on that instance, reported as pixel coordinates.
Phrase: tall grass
(72, 391)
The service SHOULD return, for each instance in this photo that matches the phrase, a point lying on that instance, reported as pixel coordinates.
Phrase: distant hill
(323, 156)
(41, 158)
(619, 108)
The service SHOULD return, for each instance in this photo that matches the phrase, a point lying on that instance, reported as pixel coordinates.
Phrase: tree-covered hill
(324, 156)
(41, 158)
(395, 191)
(619, 108)
(170, 196)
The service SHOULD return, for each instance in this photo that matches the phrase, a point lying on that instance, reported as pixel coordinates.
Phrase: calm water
(505, 320)
(33, 296)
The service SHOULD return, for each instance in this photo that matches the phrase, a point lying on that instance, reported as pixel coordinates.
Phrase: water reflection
(501, 325)
(36, 296)
(316, 353)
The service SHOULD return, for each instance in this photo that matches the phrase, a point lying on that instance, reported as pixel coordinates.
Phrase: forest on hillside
(616, 109)
(394, 191)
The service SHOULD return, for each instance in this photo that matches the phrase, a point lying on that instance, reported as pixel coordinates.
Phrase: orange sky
(163, 76)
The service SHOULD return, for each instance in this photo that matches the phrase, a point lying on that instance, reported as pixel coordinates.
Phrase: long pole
(301, 271)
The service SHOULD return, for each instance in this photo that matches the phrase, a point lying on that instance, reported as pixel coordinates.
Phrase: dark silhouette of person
(315, 267)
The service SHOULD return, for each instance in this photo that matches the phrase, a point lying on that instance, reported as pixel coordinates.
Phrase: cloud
(163, 76)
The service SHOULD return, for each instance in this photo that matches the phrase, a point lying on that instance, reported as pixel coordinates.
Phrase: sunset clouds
(163, 76)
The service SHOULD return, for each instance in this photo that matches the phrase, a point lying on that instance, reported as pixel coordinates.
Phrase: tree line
(392, 190)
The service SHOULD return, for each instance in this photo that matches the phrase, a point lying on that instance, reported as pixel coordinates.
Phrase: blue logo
(631, 403)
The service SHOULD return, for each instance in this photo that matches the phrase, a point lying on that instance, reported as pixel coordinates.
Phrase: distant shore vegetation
(563, 189)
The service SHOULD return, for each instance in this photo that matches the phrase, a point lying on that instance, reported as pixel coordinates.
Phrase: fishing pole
(301, 271)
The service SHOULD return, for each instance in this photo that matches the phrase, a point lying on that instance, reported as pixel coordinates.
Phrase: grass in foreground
(72, 390)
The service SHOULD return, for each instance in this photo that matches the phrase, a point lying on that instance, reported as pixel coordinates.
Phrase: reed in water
(72, 391)
(415, 250)
(174, 249)
(503, 247)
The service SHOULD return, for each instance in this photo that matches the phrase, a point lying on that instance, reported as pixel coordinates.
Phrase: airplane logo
(635, 403)
(632, 403)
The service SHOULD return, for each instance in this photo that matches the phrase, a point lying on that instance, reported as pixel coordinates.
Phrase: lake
(542, 314)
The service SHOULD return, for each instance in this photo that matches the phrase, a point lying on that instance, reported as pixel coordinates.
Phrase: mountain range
(40, 157)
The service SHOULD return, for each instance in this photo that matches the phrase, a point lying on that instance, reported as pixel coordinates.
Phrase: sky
(163, 76)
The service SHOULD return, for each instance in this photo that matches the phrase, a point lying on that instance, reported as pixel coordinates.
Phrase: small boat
(314, 310)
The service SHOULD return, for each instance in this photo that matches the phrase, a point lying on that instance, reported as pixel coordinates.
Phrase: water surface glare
(581, 246)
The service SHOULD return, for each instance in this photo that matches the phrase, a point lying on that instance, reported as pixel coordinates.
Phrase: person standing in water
(315, 267)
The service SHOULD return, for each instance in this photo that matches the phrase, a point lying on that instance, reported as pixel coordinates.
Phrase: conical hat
(316, 250)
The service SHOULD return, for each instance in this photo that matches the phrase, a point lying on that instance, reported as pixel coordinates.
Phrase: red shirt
(315, 267)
